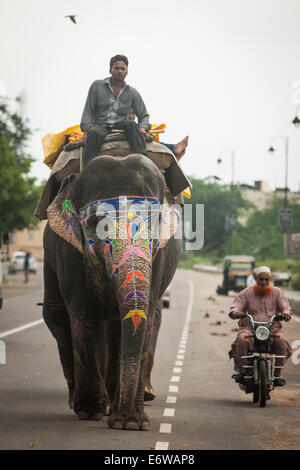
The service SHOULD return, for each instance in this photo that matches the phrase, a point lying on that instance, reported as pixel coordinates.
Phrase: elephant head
(117, 225)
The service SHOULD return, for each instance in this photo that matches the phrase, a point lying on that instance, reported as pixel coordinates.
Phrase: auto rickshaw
(235, 273)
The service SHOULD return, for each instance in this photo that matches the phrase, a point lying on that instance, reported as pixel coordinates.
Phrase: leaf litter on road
(214, 333)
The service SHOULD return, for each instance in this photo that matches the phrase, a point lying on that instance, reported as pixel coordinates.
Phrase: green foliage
(189, 260)
(219, 202)
(262, 235)
(296, 281)
(280, 265)
(18, 192)
(17, 133)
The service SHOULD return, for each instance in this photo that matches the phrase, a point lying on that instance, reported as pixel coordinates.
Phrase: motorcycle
(261, 363)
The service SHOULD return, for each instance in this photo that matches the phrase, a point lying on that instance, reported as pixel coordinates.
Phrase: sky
(224, 72)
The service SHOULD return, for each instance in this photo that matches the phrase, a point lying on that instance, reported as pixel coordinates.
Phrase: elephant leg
(57, 319)
(89, 395)
(112, 365)
(149, 393)
(89, 399)
(130, 413)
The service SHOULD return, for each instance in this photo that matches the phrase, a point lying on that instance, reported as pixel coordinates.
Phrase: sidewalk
(292, 295)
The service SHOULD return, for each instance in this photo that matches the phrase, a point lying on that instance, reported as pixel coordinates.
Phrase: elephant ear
(170, 219)
(63, 217)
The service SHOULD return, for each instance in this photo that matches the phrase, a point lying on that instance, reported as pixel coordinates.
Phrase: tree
(262, 234)
(18, 192)
(219, 202)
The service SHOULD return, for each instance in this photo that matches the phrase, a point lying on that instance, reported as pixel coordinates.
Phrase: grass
(188, 261)
(280, 265)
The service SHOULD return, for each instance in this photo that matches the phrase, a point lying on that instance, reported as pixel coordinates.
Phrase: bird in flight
(72, 18)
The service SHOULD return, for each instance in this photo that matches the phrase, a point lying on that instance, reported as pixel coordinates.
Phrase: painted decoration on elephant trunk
(131, 239)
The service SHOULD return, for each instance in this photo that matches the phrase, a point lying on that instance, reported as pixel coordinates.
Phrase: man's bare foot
(179, 149)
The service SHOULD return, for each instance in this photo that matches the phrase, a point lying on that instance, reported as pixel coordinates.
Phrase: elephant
(105, 272)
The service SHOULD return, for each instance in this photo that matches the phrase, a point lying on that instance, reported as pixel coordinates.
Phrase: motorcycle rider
(262, 301)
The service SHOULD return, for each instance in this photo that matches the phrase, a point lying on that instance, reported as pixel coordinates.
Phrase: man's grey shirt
(101, 106)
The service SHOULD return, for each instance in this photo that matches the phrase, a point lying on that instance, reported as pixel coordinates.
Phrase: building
(28, 240)
(260, 194)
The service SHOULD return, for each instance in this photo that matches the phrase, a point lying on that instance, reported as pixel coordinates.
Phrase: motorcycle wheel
(262, 383)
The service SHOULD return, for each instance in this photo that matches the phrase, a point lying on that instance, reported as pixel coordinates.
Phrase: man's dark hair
(117, 58)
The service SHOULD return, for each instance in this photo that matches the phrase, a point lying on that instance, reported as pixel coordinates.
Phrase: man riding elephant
(106, 108)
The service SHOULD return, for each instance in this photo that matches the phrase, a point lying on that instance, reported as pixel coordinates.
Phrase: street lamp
(231, 221)
(232, 151)
(286, 152)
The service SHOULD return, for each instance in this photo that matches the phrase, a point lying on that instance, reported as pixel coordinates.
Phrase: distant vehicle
(235, 273)
(17, 263)
(281, 279)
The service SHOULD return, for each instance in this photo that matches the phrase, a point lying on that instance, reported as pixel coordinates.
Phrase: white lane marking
(165, 427)
(161, 446)
(21, 328)
(171, 399)
(169, 412)
(175, 378)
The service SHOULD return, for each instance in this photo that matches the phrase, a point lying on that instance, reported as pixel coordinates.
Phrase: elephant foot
(92, 416)
(71, 401)
(149, 393)
(71, 395)
(137, 422)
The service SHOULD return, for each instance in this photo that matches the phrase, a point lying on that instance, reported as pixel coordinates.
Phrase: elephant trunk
(129, 263)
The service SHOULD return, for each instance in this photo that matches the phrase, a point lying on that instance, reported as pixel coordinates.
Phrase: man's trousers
(97, 133)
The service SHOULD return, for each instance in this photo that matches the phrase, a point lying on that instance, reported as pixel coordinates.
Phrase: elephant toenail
(131, 426)
(145, 426)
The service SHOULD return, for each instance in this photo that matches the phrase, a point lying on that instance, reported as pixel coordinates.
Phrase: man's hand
(236, 315)
(286, 316)
(143, 131)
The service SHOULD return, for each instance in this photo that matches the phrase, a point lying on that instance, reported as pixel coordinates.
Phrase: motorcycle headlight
(262, 333)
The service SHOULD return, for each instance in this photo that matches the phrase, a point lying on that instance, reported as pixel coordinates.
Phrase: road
(198, 406)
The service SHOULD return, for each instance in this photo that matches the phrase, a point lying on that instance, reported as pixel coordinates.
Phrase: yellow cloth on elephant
(187, 193)
(154, 128)
(53, 143)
